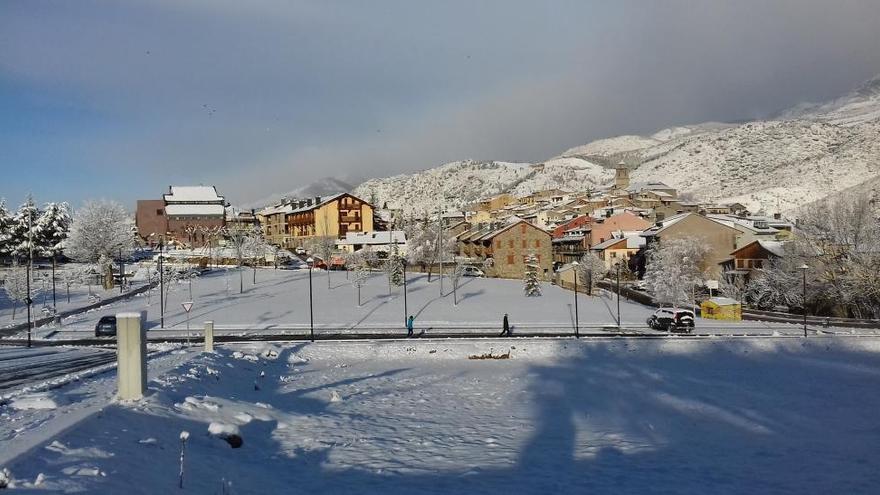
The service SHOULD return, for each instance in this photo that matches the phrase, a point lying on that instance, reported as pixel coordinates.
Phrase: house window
(524, 245)
(509, 259)
(159, 212)
(522, 228)
(537, 243)
(510, 244)
(614, 254)
(497, 244)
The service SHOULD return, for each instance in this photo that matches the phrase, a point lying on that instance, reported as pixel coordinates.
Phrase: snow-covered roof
(372, 238)
(723, 301)
(194, 210)
(632, 242)
(323, 202)
(748, 224)
(777, 248)
(193, 194)
(670, 221)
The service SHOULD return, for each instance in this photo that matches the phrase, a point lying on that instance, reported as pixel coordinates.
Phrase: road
(20, 365)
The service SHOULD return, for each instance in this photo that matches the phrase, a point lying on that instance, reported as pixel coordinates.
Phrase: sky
(120, 99)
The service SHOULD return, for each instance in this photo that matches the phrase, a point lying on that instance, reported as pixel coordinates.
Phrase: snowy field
(79, 295)
(280, 300)
(558, 416)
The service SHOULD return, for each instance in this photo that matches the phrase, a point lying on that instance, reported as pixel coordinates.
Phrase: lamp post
(311, 262)
(161, 286)
(577, 333)
(804, 269)
(618, 293)
(30, 266)
(122, 273)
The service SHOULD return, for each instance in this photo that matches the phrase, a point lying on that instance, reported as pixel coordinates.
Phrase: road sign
(187, 306)
(712, 284)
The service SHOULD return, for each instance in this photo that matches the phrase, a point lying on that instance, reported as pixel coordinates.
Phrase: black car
(106, 326)
(671, 320)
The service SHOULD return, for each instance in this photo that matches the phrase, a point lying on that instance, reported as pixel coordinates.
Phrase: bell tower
(621, 176)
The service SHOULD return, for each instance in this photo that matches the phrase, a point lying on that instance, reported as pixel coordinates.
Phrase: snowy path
(602, 416)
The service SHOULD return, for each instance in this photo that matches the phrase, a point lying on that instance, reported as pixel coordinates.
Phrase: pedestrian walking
(505, 326)
(409, 326)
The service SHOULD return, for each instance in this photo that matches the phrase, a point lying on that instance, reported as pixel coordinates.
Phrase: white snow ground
(601, 416)
(280, 302)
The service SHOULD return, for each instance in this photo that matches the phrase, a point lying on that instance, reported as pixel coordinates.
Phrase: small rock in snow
(335, 397)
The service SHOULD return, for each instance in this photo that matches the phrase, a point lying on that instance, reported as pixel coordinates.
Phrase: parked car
(300, 250)
(106, 326)
(641, 285)
(671, 320)
(472, 271)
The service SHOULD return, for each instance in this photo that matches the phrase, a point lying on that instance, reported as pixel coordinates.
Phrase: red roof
(572, 224)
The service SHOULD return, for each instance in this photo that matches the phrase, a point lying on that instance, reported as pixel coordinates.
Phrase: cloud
(262, 97)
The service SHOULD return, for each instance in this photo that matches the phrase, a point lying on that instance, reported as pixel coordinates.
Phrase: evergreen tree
(52, 228)
(394, 268)
(5, 229)
(531, 284)
(20, 239)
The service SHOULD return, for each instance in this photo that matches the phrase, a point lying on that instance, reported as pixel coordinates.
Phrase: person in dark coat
(505, 326)
(409, 326)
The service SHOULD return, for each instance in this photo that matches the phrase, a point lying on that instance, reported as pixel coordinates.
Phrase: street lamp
(617, 265)
(804, 269)
(405, 310)
(577, 333)
(161, 286)
(693, 289)
(311, 262)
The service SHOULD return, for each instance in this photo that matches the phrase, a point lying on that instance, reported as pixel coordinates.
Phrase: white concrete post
(209, 336)
(131, 355)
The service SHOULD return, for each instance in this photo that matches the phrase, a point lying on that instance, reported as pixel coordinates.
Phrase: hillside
(807, 153)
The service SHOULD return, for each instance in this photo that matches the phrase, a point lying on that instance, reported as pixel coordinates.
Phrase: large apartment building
(334, 216)
(186, 215)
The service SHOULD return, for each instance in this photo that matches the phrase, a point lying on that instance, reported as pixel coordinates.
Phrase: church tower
(621, 177)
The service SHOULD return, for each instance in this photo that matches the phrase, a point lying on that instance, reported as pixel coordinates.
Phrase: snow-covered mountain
(321, 187)
(805, 154)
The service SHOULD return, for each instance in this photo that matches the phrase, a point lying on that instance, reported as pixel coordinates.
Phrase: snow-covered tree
(15, 286)
(531, 282)
(590, 271)
(323, 247)
(100, 232)
(23, 232)
(455, 276)
(73, 275)
(360, 272)
(52, 228)
(673, 269)
(776, 284)
(256, 248)
(5, 229)
(394, 268)
(426, 244)
(735, 289)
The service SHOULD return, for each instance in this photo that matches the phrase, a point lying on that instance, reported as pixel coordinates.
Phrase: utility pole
(405, 310)
(30, 265)
(311, 263)
(804, 269)
(618, 295)
(440, 242)
(54, 303)
(577, 333)
(121, 273)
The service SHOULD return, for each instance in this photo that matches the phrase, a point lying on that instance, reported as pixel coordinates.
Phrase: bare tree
(15, 286)
(590, 271)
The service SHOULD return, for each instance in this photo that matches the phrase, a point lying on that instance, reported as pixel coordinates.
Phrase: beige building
(721, 239)
(618, 249)
(334, 216)
(273, 221)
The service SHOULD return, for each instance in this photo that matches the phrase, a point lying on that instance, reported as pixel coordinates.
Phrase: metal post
(121, 273)
(311, 307)
(440, 242)
(618, 294)
(577, 333)
(30, 265)
(805, 301)
(54, 303)
(161, 287)
(405, 311)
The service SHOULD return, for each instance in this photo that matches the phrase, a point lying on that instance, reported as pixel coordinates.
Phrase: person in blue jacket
(409, 326)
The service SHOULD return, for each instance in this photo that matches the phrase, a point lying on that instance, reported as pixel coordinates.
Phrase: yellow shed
(721, 308)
